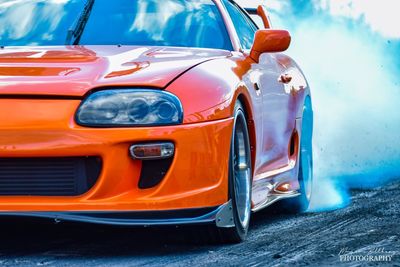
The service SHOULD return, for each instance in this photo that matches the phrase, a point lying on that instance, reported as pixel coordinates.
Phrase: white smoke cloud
(355, 95)
(343, 49)
(381, 15)
(356, 91)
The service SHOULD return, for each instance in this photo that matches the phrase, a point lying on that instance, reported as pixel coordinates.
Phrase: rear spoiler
(251, 10)
(262, 12)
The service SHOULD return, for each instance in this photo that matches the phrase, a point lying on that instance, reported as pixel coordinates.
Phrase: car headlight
(129, 107)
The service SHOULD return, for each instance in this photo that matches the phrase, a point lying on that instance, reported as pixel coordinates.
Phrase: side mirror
(269, 41)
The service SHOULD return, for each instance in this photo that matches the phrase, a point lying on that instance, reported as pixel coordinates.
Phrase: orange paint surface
(197, 177)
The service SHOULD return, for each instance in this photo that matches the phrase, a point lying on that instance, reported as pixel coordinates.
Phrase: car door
(276, 128)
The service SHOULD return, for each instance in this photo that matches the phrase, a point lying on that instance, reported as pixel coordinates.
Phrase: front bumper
(197, 177)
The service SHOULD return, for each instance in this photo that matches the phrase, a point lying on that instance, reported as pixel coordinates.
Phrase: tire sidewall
(238, 114)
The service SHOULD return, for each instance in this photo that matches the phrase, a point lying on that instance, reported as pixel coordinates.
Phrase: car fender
(215, 87)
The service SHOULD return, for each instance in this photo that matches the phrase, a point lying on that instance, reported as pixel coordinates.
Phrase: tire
(305, 175)
(239, 183)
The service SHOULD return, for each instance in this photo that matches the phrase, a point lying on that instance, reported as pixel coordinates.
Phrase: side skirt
(274, 197)
(275, 185)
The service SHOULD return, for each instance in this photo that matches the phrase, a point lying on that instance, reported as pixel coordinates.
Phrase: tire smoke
(350, 52)
(353, 70)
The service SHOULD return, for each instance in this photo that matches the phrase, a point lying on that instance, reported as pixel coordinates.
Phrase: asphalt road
(369, 226)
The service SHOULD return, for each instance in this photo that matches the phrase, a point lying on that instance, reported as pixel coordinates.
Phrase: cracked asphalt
(370, 225)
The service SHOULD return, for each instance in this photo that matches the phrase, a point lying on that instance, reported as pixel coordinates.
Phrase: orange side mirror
(269, 41)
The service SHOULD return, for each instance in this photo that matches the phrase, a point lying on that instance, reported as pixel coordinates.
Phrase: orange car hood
(74, 70)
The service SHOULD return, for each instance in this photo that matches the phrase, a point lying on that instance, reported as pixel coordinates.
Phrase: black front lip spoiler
(128, 218)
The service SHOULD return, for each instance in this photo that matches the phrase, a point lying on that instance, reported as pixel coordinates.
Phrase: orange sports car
(147, 112)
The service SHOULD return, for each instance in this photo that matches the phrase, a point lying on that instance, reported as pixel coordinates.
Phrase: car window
(187, 23)
(244, 27)
(37, 22)
(182, 23)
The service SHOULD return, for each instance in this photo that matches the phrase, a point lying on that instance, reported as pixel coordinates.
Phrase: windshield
(184, 23)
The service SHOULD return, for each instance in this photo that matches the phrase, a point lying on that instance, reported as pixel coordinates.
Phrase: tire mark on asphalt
(331, 228)
(308, 246)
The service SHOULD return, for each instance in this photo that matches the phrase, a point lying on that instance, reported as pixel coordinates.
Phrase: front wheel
(240, 180)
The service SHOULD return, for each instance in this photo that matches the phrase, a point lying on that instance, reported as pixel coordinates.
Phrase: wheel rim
(242, 171)
(306, 162)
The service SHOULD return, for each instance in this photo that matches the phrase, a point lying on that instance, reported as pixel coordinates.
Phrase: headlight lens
(130, 107)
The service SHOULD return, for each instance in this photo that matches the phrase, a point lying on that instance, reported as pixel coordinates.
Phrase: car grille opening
(153, 172)
(72, 176)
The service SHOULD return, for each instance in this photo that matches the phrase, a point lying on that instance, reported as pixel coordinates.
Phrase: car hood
(74, 70)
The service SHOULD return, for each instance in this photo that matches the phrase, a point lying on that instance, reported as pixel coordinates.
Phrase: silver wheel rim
(242, 171)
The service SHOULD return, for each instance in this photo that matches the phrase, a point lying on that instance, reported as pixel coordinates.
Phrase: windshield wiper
(77, 32)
